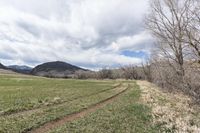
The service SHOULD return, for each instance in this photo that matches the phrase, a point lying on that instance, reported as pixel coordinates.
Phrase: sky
(88, 33)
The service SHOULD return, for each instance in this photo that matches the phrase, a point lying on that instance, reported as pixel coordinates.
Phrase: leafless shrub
(104, 74)
(117, 74)
(130, 72)
(147, 71)
(192, 78)
(85, 74)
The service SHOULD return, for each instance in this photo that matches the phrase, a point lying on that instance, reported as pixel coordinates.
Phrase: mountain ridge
(2, 66)
(54, 69)
(57, 69)
(20, 68)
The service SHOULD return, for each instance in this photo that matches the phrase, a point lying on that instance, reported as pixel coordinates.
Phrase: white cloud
(90, 33)
(138, 42)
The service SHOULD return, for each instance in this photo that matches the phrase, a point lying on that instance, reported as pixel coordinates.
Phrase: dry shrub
(84, 75)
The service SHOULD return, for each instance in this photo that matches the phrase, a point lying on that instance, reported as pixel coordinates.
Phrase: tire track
(92, 108)
(24, 112)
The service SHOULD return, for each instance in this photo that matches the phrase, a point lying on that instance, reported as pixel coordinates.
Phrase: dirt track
(53, 124)
(34, 110)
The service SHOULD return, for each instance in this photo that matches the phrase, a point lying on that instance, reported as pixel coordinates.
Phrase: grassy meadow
(125, 115)
(27, 102)
(24, 92)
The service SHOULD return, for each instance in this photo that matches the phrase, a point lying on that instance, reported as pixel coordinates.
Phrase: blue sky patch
(137, 54)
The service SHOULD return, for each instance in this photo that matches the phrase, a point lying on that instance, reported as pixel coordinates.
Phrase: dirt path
(172, 111)
(53, 124)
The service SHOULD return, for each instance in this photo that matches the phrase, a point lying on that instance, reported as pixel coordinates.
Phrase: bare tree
(175, 25)
(166, 23)
(105, 74)
(80, 74)
(192, 29)
(129, 72)
(147, 70)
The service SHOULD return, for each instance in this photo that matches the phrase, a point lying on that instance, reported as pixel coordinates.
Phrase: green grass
(24, 93)
(27, 93)
(28, 102)
(125, 115)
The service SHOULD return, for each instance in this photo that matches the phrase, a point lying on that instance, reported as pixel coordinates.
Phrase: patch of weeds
(141, 112)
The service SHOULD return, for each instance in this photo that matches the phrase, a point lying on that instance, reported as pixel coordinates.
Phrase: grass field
(26, 103)
(24, 93)
(124, 115)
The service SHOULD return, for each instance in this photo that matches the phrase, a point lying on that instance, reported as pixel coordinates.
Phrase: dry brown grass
(173, 111)
(2, 72)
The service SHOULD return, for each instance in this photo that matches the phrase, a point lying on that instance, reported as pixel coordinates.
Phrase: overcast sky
(88, 33)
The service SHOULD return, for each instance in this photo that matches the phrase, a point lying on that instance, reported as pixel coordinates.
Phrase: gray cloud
(89, 33)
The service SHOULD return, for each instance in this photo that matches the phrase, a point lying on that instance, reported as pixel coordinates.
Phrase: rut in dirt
(76, 115)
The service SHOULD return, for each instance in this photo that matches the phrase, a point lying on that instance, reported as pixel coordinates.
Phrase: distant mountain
(55, 69)
(5, 70)
(20, 69)
(2, 66)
